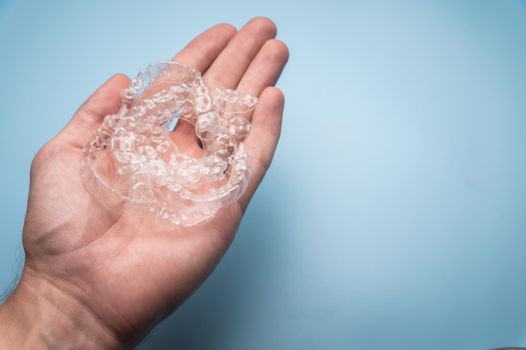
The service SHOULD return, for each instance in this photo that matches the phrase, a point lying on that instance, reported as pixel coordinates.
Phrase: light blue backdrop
(394, 216)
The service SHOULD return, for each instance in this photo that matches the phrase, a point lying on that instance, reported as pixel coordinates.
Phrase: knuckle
(194, 52)
(218, 80)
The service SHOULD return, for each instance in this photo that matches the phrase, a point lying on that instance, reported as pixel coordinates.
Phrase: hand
(96, 279)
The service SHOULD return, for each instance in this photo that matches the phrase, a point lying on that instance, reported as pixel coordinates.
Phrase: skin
(94, 279)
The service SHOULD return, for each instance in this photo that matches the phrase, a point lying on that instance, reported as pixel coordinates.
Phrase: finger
(226, 71)
(229, 66)
(199, 54)
(105, 100)
(203, 50)
(265, 69)
(263, 138)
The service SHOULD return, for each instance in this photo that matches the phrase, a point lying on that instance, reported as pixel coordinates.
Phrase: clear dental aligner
(132, 158)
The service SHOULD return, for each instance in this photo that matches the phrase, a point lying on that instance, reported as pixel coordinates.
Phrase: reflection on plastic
(135, 158)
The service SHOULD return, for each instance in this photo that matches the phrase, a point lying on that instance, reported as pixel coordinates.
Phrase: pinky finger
(263, 139)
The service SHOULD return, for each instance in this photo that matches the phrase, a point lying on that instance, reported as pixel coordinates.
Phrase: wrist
(40, 315)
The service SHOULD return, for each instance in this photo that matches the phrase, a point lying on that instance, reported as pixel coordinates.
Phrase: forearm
(39, 316)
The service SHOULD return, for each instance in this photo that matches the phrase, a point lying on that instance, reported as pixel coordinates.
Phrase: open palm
(126, 271)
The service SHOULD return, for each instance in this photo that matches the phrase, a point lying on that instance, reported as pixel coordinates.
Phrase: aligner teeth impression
(135, 158)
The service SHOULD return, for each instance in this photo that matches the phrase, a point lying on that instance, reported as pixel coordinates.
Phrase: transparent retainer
(133, 158)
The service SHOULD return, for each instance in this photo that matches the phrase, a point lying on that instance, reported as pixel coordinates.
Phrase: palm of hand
(126, 269)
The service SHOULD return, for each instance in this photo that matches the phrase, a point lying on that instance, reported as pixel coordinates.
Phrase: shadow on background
(242, 283)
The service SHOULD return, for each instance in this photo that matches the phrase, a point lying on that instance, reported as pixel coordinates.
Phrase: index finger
(203, 50)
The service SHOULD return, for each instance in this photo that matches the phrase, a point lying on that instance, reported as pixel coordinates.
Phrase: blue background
(394, 216)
